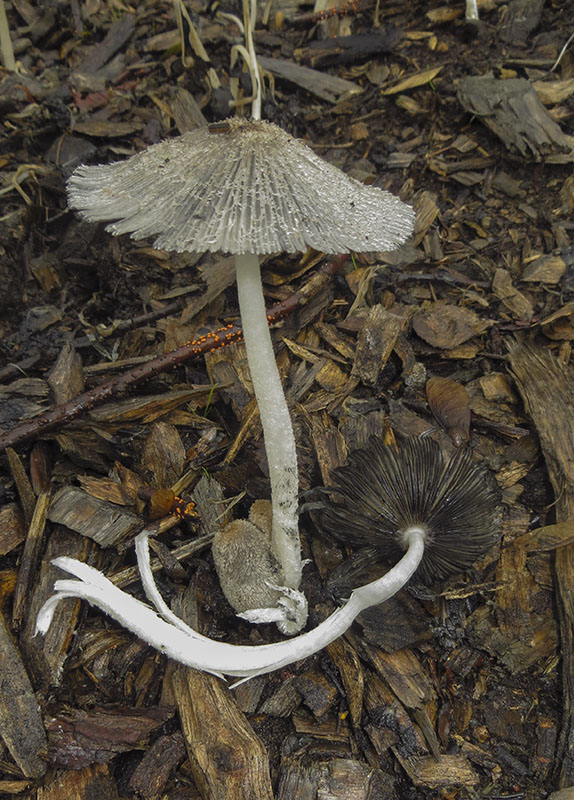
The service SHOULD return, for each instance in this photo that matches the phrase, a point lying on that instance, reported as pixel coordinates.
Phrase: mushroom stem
(275, 419)
(197, 651)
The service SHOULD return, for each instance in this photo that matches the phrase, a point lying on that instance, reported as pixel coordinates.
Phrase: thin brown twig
(119, 385)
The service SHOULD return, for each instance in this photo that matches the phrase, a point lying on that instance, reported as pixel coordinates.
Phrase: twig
(119, 385)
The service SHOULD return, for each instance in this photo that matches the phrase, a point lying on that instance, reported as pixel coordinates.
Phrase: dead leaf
(412, 82)
(447, 326)
(546, 269)
(450, 404)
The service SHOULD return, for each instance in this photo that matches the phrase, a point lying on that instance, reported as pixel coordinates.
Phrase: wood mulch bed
(462, 689)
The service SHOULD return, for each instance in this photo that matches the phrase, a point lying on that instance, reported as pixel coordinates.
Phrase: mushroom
(438, 514)
(387, 500)
(248, 188)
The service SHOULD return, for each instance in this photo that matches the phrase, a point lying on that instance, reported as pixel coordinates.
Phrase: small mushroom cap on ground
(380, 493)
(252, 188)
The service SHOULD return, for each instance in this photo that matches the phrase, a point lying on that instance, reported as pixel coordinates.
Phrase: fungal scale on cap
(381, 493)
(254, 189)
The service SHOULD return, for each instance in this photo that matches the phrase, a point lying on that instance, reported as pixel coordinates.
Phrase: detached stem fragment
(199, 652)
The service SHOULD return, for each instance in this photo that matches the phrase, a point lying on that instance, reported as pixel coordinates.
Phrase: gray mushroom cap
(242, 187)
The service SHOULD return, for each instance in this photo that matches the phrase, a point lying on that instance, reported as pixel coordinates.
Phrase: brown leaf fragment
(413, 81)
(228, 761)
(21, 726)
(349, 49)
(150, 407)
(515, 301)
(546, 269)
(330, 447)
(154, 770)
(80, 738)
(404, 623)
(560, 324)
(448, 326)
(105, 523)
(450, 405)
(85, 784)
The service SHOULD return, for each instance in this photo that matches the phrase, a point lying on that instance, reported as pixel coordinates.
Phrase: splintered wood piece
(391, 719)
(348, 49)
(377, 337)
(66, 377)
(547, 389)
(404, 623)
(23, 485)
(77, 738)
(328, 87)
(512, 110)
(283, 701)
(45, 655)
(228, 761)
(21, 726)
(405, 675)
(163, 454)
(154, 770)
(319, 694)
(81, 784)
(105, 523)
(11, 528)
(450, 405)
(30, 557)
(345, 658)
(446, 770)
(333, 779)
(329, 445)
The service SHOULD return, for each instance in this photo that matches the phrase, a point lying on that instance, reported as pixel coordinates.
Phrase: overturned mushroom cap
(242, 186)
(245, 564)
(381, 493)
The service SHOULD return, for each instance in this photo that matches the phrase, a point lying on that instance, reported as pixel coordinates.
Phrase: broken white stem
(275, 419)
(471, 11)
(6, 49)
(194, 650)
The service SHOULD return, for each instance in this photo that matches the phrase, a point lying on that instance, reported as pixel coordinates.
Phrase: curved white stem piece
(275, 419)
(192, 649)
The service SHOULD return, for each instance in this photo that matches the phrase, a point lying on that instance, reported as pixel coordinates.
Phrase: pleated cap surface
(242, 187)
